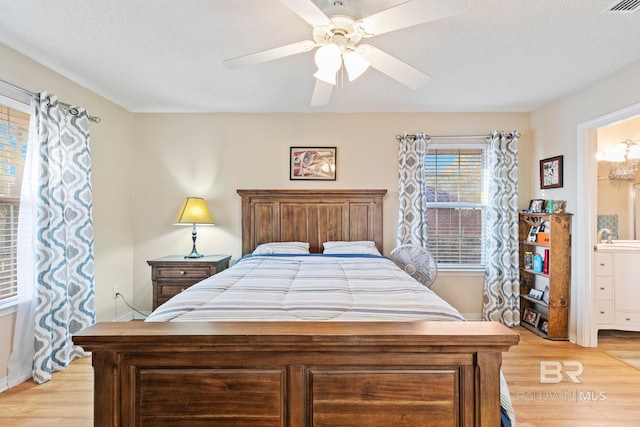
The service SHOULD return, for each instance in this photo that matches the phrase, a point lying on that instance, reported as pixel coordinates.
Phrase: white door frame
(586, 220)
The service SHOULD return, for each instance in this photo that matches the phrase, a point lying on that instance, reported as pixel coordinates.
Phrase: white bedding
(307, 287)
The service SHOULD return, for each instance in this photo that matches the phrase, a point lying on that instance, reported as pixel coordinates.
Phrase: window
(456, 188)
(14, 134)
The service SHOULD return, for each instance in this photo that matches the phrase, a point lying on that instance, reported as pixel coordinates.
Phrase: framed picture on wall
(312, 163)
(551, 172)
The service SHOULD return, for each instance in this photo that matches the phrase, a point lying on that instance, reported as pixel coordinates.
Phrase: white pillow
(357, 247)
(345, 243)
(282, 248)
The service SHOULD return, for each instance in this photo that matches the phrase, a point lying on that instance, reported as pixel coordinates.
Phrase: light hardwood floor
(608, 395)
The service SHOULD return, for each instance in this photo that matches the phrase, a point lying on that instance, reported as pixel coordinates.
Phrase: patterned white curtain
(412, 217)
(56, 295)
(502, 288)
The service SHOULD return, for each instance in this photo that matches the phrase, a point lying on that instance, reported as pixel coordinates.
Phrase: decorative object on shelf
(537, 263)
(528, 260)
(417, 262)
(533, 234)
(543, 237)
(531, 317)
(624, 158)
(545, 262)
(312, 163)
(535, 293)
(545, 294)
(559, 206)
(551, 172)
(543, 325)
(194, 211)
(536, 205)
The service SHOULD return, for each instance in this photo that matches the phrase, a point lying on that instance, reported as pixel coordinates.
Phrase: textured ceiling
(166, 55)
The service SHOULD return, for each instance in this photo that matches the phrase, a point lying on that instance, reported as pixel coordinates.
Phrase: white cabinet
(617, 289)
(604, 289)
(626, 282)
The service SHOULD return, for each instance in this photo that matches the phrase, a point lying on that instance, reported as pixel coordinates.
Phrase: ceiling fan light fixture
(355, 64)
(329, 57)
(326, 75)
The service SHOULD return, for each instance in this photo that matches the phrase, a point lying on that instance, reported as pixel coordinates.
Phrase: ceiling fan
(337, 32)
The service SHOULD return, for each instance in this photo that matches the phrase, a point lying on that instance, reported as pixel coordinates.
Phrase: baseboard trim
(472, 316)
(5, 385)
(132, 315)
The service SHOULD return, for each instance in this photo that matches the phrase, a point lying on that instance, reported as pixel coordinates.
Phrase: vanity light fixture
(624, 159)
(194, 211)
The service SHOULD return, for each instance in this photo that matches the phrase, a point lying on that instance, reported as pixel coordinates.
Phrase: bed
(283, 362)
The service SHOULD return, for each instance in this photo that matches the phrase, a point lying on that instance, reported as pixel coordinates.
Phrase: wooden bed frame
(299, 373)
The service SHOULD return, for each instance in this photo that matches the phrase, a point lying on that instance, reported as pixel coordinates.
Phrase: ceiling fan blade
(407, 14)
(321, 93)
(308, 11)
(393, 67)
(269, 55)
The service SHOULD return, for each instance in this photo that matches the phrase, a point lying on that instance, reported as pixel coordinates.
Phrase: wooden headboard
(314, 216)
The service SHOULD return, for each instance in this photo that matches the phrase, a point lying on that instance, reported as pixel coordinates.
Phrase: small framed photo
(551, 172)
(533, 234)
(536, 205)
(535, 294)
(545, 294)
(312, 163)
(531, 317)
(559, 206)
(543, 325)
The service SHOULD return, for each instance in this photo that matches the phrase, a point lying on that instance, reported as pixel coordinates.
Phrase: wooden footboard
(297, 373)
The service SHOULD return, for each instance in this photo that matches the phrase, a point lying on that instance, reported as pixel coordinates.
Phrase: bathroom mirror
(618, 195)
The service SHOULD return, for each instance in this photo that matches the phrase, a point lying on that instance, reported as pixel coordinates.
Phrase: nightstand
(172, 274)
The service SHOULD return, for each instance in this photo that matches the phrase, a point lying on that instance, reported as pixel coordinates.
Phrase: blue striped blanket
(307, 287)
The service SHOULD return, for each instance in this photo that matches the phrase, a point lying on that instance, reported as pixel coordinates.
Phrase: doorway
(586, 219)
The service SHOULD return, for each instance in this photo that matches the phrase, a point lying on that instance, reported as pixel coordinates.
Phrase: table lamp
(194, 211)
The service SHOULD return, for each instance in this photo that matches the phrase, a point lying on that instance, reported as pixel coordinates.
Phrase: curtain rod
(73, 110)
(399, 137)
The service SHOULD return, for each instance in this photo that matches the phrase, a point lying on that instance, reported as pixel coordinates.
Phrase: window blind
(14, 135)
(455, 185)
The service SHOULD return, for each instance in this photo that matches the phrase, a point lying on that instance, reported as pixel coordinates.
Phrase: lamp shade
(194, 210)
(327, 76)
(328, 57)
(355, 64)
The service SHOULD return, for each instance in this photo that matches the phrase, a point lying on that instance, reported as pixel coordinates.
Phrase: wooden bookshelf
(554, 308)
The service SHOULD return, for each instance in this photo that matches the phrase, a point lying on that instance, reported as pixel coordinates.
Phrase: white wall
(111, 149)
(555, 131)
(213, 155)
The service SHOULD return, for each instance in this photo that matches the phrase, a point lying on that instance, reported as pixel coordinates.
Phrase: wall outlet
(116, 291)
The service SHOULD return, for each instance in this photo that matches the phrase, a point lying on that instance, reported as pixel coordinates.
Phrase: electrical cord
(118, 294)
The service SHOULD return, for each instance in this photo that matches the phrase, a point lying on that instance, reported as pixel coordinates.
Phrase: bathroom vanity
(617, 285)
